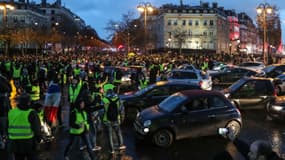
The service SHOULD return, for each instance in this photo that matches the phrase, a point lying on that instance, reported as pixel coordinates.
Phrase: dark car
(152, 95)
(252, 93)
(231, 74)
(273, 70)
(187, 114)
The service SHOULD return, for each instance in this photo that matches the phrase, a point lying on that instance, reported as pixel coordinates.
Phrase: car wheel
(269, 113)
(216, 81)
(234, 128)
(163, 138)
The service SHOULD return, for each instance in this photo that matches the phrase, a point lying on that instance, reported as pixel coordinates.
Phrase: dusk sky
(98, 13)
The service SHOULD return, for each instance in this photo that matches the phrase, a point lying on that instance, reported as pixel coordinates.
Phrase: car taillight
(200, 83)
(275, 92)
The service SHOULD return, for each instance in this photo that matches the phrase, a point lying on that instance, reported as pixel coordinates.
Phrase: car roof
(197, 93)
(184, 70)
(257, 78)
(162, 83)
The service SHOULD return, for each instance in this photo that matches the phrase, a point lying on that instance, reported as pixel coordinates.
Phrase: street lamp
(145, 7)
(4, 7)
(230, 47)
(263, 9)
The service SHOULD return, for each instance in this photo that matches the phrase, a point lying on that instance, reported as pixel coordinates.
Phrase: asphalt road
(255, 126)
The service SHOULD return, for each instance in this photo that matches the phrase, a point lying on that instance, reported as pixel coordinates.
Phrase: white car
(191, 76)
(257, 66)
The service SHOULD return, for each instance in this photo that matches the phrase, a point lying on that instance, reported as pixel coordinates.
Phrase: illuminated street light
(4, 7)
(145, 7)
(263, 10)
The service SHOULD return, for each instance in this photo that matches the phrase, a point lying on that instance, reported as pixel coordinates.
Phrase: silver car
(191, 76)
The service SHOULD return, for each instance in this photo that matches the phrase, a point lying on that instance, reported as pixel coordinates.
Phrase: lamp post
(4, 7)
(263, 10)
(145, 7)
(230, 48)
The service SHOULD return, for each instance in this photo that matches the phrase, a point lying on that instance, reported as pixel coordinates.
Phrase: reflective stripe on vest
(74, 93)
(19, 125)
(35, 93)
(16, 72)
(115, 78)
(81, 119)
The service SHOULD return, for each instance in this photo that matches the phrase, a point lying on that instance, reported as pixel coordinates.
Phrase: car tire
(234, 127)
(270, 114)
(163, 138)
(216, 81)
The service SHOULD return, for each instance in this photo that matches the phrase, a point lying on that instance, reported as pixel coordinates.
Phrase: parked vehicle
(187, 114)
(257, 66)
(272, 70)
(191, 76)
(231, 74)
(281, 86)
(252, 93)
(134, 102)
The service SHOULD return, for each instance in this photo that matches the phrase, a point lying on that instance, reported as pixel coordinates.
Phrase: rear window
(250, 64)
(183, 75)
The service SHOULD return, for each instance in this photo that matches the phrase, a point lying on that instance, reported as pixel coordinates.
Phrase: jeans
(20, 156)
(93, 133)
(76, 139)
(114, 127)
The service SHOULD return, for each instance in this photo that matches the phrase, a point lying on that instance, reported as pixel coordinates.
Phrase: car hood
(128, 95)
(151, 113)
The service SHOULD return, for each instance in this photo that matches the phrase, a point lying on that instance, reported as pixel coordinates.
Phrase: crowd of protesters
(81, 78)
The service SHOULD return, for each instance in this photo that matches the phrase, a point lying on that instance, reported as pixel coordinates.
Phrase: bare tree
(180, 37)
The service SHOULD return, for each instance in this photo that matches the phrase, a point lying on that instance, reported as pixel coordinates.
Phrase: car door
(198, 119)
(219, 112)
(252, 94)
(156, 95)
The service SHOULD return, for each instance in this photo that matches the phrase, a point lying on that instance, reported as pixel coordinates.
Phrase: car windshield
(268, 69)
(183, 75)
(237, 84)
(170, 103)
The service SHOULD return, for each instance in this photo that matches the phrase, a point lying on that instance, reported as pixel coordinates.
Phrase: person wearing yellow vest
(74, 90)
(35, 91)
(24, 129)
(112, 118)
(79, 128)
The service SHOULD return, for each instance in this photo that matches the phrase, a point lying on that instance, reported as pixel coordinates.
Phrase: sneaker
(122, 147)
(82, 147)
(66, 158)
(97, 148)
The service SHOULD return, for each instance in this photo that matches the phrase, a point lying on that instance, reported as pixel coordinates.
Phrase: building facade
(249, 39)
(196, 28)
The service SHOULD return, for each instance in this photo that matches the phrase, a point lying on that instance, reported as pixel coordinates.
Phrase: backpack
(112, 112)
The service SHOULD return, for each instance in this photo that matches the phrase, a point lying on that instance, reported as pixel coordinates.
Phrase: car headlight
(227, 95)
(147, 123)
(277, 108)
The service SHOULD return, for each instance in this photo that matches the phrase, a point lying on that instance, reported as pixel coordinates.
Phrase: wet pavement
(255, 126)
